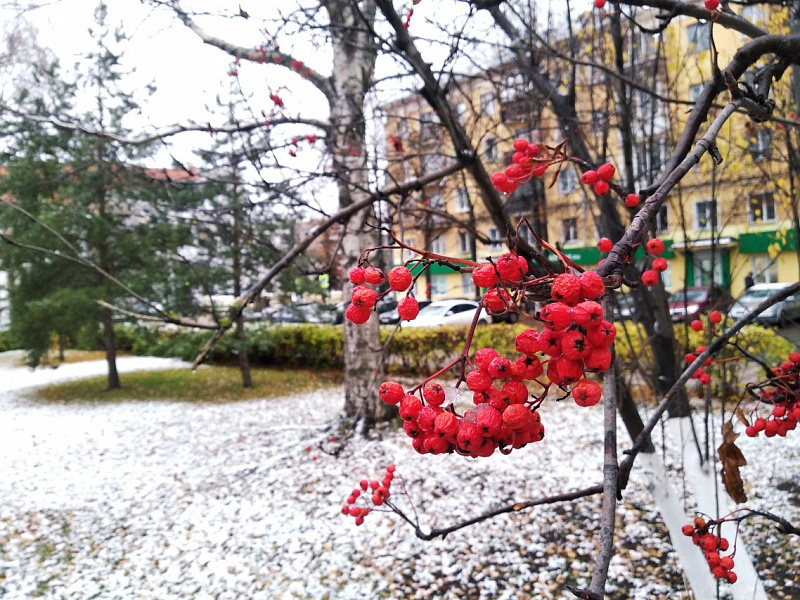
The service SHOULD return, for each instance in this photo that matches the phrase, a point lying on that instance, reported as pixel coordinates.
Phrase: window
(461, 111)
(490, 149)
(467, 286)
(402, 129)
(438, 285)
(464, 242)
(761, 208)
(462, 200)
(496, 242)
(765, 270)
(760, 145)
(698, 36)
(569, 230)
(705, 216)
(600, 122)
(567, 180)
(427, 126)
(526, 234)
(431, 163)
(645, 103)
(666, 276)
(703, 267)
(662, 219)
(409, 254)
(437, 244)
(436, 202)
(695, 91)
(488, 107)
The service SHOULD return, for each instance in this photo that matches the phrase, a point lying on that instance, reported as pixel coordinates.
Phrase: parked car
(285, 314)
(688, 304)
(391, 317)
(779, 314)
(448, 312)
(623, 307)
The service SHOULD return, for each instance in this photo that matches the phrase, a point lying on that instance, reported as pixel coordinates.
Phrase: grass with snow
(207, 384)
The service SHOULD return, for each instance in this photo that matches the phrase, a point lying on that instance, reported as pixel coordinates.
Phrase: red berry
(518, 416)
(373, 275)
(592, 285)
(484, 276)
(520, 145)
(499, 368)
(603, 335)
(655, 246)
(364, 296)
(484, 357)
(408, 308)
(400, 279)
(598, 361)
(496, 300)
(508, 267)
(632, 200)
(566, 288)
(697, 325)
(604, 245)
(687, 530)
(711, 5)
(410, 407)
(434, 394)
(527, 367)
(391, 392)
(527, 342)
(599, 4)
(589, 177)
(586, 393)
(660, 264)
(606, 171)
(446, 424)
(557, 315)
(794, 357)
(588, 314)
(357, 314)
(601, 187)
(650, 277)
(478, 381)
(357, 275)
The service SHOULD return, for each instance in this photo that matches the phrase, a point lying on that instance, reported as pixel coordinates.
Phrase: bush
(418, 351)
(7, 341)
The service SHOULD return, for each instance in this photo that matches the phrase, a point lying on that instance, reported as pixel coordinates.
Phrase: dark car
(689, 303)
(782, 313)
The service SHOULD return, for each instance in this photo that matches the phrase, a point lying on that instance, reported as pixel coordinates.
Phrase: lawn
(207, 384)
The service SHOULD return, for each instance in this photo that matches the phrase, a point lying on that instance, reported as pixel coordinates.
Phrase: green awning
(758, 242)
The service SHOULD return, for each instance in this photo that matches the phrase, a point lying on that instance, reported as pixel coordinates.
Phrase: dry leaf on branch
(732, 458)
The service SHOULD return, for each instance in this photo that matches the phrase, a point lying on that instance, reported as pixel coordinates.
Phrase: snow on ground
(176, 500)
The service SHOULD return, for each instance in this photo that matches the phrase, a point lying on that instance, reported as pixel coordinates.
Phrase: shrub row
(410, 351)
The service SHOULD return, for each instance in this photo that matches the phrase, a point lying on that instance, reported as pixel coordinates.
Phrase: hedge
(410, 351)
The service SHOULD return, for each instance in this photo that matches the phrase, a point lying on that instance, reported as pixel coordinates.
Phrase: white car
(778, 314)
(449, 312)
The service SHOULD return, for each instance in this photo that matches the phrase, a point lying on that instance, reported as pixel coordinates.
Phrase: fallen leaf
(732, 458)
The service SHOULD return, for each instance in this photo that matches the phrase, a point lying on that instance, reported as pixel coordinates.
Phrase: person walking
(749, 281)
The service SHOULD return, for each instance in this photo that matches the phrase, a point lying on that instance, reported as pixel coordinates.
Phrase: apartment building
(723, 221)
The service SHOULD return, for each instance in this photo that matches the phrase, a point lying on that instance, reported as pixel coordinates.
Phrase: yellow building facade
(721, 223)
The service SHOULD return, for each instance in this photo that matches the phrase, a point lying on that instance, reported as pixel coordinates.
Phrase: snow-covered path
(169, 500)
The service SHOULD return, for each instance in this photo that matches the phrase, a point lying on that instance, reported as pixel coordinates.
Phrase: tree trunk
(354, 54)
(110, 345)
(241, 345)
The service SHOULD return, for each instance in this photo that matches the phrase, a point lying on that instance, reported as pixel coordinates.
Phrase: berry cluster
(503, 416)
(379, 494)
(711, 545)
(702, 375)
(576, 340)
(599, 179)
(529, 160)
(364, 298)
(782, 392)
(576, 337)
(655, 247)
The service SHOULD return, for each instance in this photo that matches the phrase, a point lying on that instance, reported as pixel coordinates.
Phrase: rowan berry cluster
(599, 180)
(374, 493)
(712, 545)
(364, 298)
(576, 340)
(703, 374)
(529, 160)
(782, 393)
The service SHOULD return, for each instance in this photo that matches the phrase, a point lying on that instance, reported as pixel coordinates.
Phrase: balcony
(517, 110)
